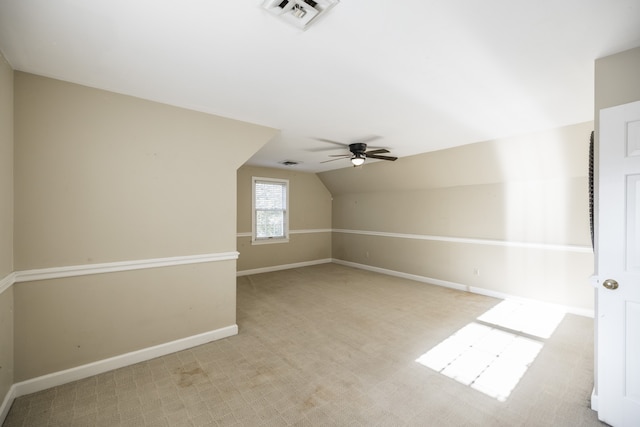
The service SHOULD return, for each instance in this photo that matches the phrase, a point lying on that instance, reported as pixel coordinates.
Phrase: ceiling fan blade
(375, 156)
(318, 150)
(339, 144)
(331, 142)
(339, 155)
(338, 158)
(368, 139)
(380, 151)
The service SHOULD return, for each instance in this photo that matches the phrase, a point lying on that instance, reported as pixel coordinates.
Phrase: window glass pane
(270, 195)
(269, 223)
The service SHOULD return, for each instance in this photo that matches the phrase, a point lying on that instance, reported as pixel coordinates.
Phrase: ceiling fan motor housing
(358, 147)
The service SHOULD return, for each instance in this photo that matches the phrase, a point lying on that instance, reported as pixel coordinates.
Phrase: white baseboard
(565, 308)
(6, 403)
(84, 371)
(594, 400)
(473, 289)
(403, 275)
(283, 267)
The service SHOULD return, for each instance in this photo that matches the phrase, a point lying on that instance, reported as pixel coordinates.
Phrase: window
(270, 210)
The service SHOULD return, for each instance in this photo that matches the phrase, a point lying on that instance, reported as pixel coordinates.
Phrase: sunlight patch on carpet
(492, 354)
(533, 319)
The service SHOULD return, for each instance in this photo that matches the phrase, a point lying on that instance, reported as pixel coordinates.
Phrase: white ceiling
(422, 75)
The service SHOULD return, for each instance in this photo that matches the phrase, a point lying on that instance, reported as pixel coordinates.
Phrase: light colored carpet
(328, 345)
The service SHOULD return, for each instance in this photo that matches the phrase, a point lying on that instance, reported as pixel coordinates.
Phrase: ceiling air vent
(300, 13)
(290, 162)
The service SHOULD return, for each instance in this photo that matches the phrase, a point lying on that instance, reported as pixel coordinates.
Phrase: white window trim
(269, 240)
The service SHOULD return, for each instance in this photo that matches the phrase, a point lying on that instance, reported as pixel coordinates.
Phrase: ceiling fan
(358, 153)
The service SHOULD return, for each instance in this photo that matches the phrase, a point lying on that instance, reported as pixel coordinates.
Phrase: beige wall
(118, 178)
(102, 177)
(6, 168)
(309, 209)
(527, 193)
(6, 226)
(617, 79)
(62, 323)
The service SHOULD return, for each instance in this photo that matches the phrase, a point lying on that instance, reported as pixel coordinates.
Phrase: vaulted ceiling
(420, 75)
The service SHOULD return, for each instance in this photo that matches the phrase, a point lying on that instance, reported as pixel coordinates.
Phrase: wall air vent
(300, 13)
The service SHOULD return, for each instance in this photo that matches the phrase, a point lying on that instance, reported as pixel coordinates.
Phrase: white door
(618, 266)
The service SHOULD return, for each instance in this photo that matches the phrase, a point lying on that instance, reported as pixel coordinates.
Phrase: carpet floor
(330, 345)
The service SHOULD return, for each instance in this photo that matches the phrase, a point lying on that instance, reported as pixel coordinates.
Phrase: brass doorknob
(610, 284)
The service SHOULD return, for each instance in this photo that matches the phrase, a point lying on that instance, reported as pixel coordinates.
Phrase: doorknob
(610, 284)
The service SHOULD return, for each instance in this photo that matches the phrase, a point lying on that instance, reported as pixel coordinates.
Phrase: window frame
(285, 229)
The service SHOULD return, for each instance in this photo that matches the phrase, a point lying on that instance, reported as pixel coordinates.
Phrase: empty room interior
(314, 213)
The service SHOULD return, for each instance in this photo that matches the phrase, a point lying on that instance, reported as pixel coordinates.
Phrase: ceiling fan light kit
(300, 13)
(358, 159)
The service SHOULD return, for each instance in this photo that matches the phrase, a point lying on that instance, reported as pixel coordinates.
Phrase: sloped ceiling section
(557, 154)
(422, 75)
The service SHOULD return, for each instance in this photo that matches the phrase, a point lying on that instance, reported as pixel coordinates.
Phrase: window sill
(269, 241)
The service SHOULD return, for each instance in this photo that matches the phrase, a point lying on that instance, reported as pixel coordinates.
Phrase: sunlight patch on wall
(493, 354)
(535, 168)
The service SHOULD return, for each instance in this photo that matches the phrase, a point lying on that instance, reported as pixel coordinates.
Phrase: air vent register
(300, 13)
